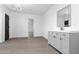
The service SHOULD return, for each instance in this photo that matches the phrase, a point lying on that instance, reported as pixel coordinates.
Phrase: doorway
(6, 27)
(30, 28)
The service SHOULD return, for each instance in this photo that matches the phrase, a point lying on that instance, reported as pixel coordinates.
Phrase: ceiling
(38, 9)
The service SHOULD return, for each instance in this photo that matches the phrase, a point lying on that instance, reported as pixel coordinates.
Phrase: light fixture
(18, 7)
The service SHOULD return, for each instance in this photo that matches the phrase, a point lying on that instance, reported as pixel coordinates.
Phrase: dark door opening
(6, 27)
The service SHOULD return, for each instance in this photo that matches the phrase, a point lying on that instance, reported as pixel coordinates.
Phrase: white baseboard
(2, 41)
(45, 37)
(27, 37)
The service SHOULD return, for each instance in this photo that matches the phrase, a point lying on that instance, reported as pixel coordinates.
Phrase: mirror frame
(63, 15)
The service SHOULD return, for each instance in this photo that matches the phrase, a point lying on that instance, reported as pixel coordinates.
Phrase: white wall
(19, 24)
(2, 24)
(75, 17)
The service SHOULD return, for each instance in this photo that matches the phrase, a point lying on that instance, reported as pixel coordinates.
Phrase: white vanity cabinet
(65, 42)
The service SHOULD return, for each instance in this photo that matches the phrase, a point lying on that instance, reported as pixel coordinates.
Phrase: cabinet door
(64, 42)
(52, 39)
(56, 40)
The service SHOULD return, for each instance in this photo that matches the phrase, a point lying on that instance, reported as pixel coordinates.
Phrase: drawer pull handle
(60, 38)
(54, 36)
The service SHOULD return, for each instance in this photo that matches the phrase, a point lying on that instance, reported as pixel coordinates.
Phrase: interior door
(6, 27)
(30, 28)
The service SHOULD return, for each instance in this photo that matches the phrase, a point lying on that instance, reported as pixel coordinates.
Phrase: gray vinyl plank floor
(27, 46)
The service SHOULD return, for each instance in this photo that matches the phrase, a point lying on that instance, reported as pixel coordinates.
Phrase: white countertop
(73, 31)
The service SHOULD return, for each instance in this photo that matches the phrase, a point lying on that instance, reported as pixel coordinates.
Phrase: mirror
(64, 17)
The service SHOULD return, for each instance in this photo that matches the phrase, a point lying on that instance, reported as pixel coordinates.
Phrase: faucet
(61, 28)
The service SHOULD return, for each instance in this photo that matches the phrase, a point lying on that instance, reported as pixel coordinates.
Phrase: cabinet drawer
(65, 34)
